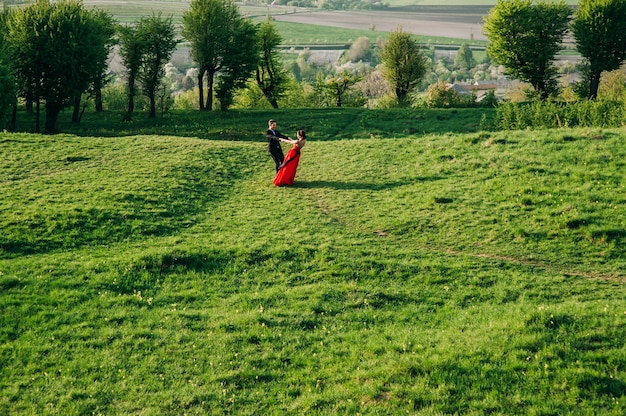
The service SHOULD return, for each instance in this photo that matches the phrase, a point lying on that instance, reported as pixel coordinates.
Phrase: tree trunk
(209, 92)
(76, 113)
(131, 104)
(201, 89)
(594, 84)
(267, 92)
(38, 108)
(13, 125)
(80, 116)
(152, 106)
(52, 115)
(99, 105)
(131, 96)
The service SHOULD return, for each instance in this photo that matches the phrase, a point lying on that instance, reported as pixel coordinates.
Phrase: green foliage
(525, 37)
(240, 65)
(104, 34)
(222, 42)
(334, 89)
(361, 50)
(441, 95)
(57, 49)
(472, 273)
(540, 114)
(115, 98)
(404, 62)
(490, 99)
(8, 99)
(599, 28)
(186, 100)
(299, 95)
(438, 95)
(158, 41)
(271, 76)
(464, 58)
(251, 97)
(132, 45)
(613, 85)
(8, 89)
(302, 69)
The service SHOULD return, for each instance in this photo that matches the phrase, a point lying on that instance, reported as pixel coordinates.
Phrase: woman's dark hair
(302, 134)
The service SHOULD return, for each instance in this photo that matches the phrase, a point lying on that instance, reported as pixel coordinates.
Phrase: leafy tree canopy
(271, 75)
(525, 37)
(217, 32)
(404, 63)
(56, 48)
(599, 28)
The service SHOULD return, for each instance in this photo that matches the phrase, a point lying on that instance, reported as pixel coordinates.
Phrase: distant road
(451, 22)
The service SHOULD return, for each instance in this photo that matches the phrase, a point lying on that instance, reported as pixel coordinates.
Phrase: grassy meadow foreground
(409, 271)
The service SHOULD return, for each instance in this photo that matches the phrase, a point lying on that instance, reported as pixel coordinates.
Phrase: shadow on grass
(146, 209)
(372, 186)
(322, 124)
(148, 272)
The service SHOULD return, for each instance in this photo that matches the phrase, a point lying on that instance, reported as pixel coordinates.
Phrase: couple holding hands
(286, 166)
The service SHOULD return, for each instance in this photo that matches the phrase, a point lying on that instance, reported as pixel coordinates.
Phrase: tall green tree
(240, 65)
(52, 48)
(132, 45)
(404, 63)
(271, 76)
(159, 42)
(8, 98)
(525, 37)
(464, 58)
(599, 28)
(214, 27)
(336, 86)
(103, 33)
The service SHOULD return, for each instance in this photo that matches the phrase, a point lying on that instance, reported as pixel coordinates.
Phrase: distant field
(131, 11)
(299, 26)
(457, 23)
(452, 21)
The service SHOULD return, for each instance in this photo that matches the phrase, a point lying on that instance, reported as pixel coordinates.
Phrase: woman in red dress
(287, 170)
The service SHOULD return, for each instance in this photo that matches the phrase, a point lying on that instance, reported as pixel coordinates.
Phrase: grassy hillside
(421, 272)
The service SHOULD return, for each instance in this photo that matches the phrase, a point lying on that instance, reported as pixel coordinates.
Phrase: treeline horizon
(224, 78)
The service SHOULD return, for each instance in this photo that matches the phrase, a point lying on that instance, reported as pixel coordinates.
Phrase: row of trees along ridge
(56, 52)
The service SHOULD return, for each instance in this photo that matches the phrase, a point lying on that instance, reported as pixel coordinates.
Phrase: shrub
(439, 95)
(114, 98)
(540, 114)
(386, 101)
(251, 97)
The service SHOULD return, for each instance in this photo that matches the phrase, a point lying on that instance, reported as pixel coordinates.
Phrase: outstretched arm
(276, 135)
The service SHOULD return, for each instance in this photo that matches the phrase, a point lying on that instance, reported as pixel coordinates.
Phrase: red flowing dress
(287, 170)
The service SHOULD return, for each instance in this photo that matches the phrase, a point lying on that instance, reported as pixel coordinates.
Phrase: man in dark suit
(274, 137)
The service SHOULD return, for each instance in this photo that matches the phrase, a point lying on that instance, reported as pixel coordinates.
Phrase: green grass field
(418, 266)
